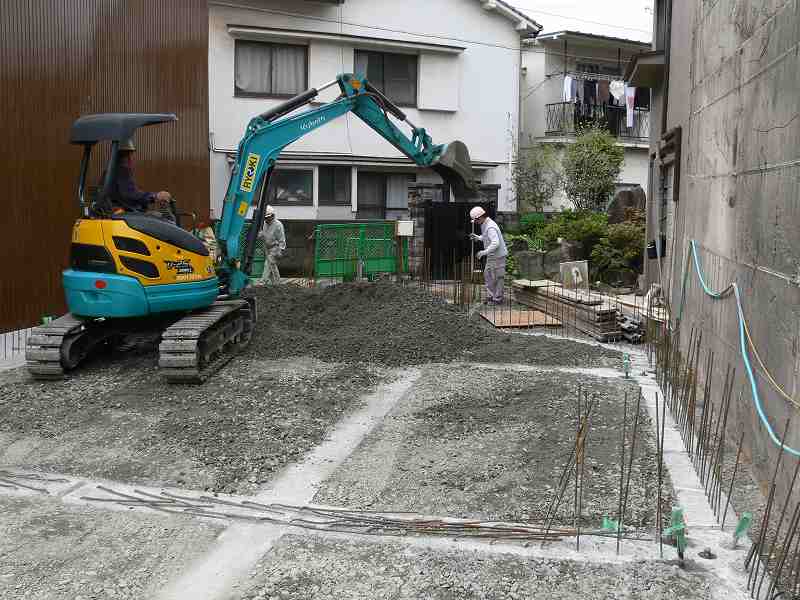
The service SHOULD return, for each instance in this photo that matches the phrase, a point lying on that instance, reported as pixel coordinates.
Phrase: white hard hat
(269, 211)
(476, 213)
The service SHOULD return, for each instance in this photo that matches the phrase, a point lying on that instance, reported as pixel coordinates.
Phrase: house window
(277, 70)
(393, 74)
(292, 187)
(371, 196)
(334, 186)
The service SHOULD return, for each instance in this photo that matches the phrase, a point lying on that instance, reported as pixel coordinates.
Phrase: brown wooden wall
(63, 58)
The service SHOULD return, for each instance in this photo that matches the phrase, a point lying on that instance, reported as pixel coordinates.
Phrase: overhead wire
(339, 21)
(573, 18)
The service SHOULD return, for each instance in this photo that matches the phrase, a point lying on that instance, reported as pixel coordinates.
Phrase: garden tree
(537, 177)
(591, 167)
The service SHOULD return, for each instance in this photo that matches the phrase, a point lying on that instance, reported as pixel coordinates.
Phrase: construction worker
(205, 232)
(274, 244)
(494, 249)
(125, 195)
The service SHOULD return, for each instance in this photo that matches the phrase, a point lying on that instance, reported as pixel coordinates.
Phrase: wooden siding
(63, 58)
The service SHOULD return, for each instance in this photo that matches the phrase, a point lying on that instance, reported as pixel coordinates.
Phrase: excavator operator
(125, 195)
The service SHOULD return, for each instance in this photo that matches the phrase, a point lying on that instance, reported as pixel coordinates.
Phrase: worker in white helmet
(494, 249)
(274, 244)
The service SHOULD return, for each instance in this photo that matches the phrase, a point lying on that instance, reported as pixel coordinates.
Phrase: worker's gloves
(481, 254)
(475, 237)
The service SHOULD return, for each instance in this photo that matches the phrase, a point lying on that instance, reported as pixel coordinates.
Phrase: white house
(592, 68)
(452, 65)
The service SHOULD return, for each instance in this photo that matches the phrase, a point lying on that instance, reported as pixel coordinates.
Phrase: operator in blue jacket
(124, 192)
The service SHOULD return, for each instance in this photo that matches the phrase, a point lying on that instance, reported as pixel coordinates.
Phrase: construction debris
(585, 311)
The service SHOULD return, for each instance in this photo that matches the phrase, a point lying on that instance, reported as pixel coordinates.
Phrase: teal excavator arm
(269, 133)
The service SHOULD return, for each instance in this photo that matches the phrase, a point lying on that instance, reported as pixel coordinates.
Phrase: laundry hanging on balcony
(630, 101)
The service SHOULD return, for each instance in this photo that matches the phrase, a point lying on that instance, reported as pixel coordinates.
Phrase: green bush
(591, 167)
(621, 250)
(531, 224)
(585, 227)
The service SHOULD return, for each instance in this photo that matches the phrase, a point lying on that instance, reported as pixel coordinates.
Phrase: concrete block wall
(734, 88)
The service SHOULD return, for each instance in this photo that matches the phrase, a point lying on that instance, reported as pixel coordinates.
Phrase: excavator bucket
(455, 168)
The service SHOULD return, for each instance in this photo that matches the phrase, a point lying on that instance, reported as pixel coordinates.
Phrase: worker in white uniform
(494, 249)
(274, 244)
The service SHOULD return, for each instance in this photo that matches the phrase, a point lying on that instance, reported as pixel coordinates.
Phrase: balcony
(563, 117)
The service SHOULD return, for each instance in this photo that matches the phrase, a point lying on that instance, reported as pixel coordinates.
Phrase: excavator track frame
(198, 345)
(61, 345)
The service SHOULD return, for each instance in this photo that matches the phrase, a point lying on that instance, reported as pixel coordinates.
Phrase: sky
(629, 19)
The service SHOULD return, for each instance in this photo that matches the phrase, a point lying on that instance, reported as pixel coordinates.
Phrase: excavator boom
(270, 132)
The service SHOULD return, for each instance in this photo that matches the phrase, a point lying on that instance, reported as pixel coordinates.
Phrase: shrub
(591, 167)
(585, 227)
(536, 176)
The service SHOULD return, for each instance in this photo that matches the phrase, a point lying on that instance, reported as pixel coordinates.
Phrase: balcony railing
(564, 117)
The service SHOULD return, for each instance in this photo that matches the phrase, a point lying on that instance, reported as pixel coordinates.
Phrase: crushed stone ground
(490, 444)
(116, 419)
(315, 568)
(52, 550)
(395, 325)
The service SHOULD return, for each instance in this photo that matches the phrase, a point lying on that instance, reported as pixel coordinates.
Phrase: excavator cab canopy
(117, 128)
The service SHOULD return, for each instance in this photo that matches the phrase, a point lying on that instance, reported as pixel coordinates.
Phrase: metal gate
(447, 229)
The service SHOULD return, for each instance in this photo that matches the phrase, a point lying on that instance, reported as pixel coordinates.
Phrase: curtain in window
(397, 190)
(253, 67)
(289, 69)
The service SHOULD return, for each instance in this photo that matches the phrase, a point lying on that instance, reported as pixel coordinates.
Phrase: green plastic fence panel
(340, 248)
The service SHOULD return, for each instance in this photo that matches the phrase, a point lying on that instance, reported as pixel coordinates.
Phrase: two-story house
(569, 78)
(452, 65)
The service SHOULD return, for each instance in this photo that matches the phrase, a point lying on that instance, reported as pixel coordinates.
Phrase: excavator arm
(269, 133)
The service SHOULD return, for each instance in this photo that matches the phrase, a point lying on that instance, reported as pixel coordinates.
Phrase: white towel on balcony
(617, 89)
(630, 97)
(568, 89)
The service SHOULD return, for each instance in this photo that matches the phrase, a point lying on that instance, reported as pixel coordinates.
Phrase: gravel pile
(394, 325)
(314, 568)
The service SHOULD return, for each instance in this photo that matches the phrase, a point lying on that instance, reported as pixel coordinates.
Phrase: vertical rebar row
(757, 547)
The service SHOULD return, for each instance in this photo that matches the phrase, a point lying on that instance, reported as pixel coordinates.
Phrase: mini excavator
(131, 272)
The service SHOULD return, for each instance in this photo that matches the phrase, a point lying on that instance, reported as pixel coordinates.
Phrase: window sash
(371, 196)
(334, 186)
(393, 74)
(292, 187)
(263, 69)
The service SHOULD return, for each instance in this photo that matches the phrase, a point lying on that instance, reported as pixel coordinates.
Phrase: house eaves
(522, 22)
(592, 39)
(646, 70)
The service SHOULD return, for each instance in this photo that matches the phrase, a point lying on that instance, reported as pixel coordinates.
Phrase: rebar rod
(630, 465)
(791, 534)
(622, 465)
(757, 548)
(717, 485)
(733, 479)
(780, 522)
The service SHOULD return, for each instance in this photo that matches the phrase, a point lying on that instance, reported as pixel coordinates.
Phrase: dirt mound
(394, 325)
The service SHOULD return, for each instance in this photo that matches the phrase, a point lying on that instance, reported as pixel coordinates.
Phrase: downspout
(667, 48)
